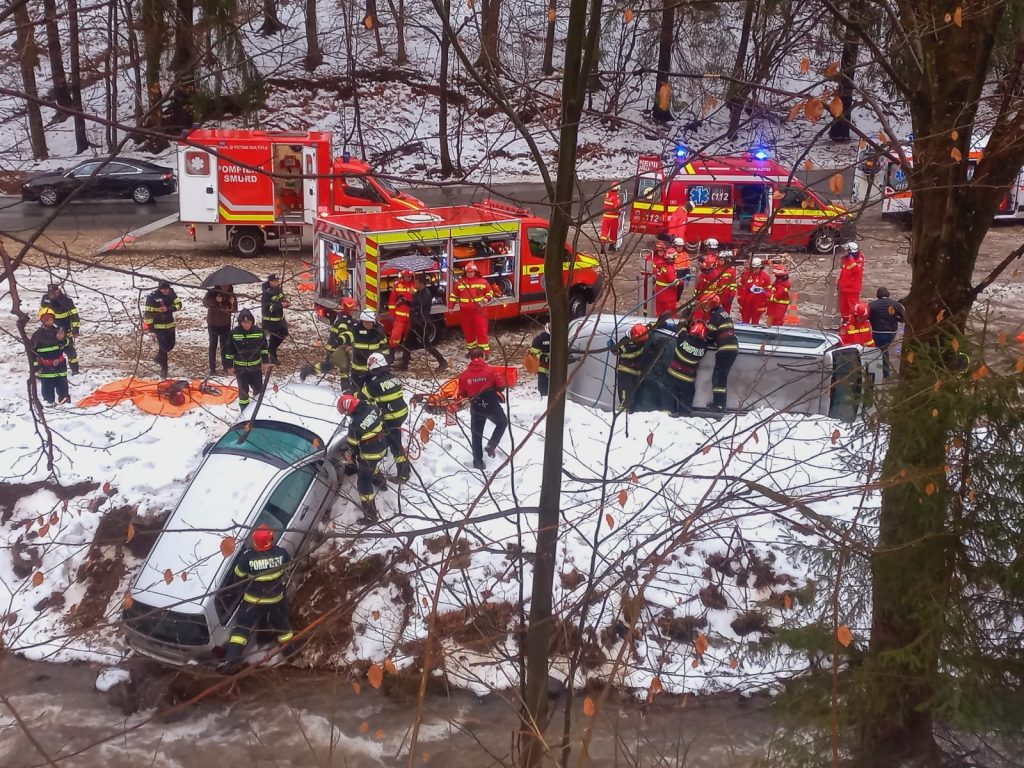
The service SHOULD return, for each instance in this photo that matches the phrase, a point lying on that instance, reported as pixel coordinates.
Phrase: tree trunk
(489, 60)
(738, 90)
(580, 48)
(111, 77)
(61, 92)
(372, 21)
(314, 54)
(839, 130)
(401, 57)
(548, 66)
(271, 23)
(75, 84)
(25, 46)
(447, 167)
(661, 111)
(184, 57)
(154, 33)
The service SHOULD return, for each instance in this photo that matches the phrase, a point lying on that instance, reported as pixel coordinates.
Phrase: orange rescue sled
(171, 397)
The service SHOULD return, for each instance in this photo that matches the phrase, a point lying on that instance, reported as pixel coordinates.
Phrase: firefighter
(367, 445)
(480, 383)
(754, 287)
(690, 349)
(221, 305)
(161, 305)
(710, 248)
(48, 346)
(247, 356)
(857, 329)
(66, 316)
(541, 349)
(274, 304)
(421, 331)
(682, 264)
(384, 389)
(400, 306)
(727, 283)
(610, 219)
(471, 292)
(338, 339)
(631, 364)
(717, 277)
(365, 338)
(778, 298)
(851, 280)
(263, 567)
(721, 336)
(666, 296)
(677, 223)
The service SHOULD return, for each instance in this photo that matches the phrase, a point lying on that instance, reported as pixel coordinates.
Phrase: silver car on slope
(275, 469)
(799, 370)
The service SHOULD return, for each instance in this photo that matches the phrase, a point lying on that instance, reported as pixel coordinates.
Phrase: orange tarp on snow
(146, 395)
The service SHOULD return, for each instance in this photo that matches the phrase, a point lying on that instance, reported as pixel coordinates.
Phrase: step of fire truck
(290, 240)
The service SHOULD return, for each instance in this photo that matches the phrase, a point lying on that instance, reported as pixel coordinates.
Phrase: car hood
(46, 178)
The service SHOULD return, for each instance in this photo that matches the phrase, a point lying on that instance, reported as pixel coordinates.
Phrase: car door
(79, 177)
(117, 179)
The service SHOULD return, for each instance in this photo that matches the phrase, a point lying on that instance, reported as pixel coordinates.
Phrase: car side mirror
(208, 447)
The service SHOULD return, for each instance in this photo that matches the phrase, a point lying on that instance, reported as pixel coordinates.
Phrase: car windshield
(275, 442)
(778, 338)
(167, 626)
(386, 185)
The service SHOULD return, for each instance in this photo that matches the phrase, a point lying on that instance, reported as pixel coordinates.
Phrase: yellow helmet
(46, 311)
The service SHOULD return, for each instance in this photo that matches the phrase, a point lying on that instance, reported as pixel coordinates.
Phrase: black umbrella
(229, 275)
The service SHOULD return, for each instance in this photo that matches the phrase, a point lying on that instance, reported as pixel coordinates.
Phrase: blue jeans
(883, 340)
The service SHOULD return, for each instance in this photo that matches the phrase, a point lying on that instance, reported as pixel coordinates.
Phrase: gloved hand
(306, 371)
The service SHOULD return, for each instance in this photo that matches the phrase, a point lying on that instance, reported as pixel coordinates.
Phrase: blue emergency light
(761, 153)
(682, 152)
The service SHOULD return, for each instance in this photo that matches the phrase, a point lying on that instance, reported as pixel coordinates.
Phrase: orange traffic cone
(793, 314)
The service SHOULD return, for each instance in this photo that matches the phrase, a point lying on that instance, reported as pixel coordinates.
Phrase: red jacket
(857, 332)
(612, 204)
(755, 285)
(472, 292)
(400, 300)
(780, 292)
(851, 274)
(479, 377)
(664, 272)
(721, 281)
(677, 222)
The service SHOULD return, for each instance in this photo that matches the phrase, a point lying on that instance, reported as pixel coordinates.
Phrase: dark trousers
(219, 336)
(683, 276)
(625, 389)
(277, 332)
(54, 389)
(393, 434)
(366, 474)
(884, 340)
(681, 396)
(480, 412)
(542, 383)
(249, 378)
(720, 377)
(165, 340)
(418, 335)
(252, 617)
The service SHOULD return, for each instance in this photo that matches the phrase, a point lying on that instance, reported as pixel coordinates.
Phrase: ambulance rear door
(197, 185)
(310, 198)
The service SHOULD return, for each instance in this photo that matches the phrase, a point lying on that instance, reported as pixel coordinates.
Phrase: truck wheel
(432, 334)
(247, 242)
(577, 304)
(824, 240)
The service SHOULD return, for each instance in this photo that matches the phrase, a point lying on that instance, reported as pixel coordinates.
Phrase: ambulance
(736, 200)
(253, 187)
(362, 254)
(886, 179)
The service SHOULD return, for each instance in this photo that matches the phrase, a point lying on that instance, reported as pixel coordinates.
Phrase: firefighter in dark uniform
(161, 305)
(631, 364)
(263, 568)
(419, 330)
(65, 315)
(480, 384)
(273, 305)
(338, 339)
(48, 346)
(384, 389)
(247, 356)
(365, 338)
(368, 444)
(541, 349)
(722, 337)
(690, 349)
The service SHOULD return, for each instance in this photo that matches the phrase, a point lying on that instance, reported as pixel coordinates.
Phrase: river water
(286, 718)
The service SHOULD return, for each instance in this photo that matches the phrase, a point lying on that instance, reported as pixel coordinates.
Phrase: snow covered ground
(672, 565)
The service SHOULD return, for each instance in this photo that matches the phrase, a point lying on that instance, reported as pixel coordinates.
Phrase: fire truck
(886, 178)
(251, 187)
(362, 254)
(736, 200)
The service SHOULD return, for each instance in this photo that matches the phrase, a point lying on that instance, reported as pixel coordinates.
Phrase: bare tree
(61, 93)
(154, 35)
(839, 130)
(314, 54)
(736, 92)
(25, 45)
(548, 66)
(447, 167)
(75, 83)
(271, 23)
(662, 109)
(490, 19)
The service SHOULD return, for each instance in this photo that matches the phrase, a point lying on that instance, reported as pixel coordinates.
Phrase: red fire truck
(734, 200)
(361, 255)
(251, 187)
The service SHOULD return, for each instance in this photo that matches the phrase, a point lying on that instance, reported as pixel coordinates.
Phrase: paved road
(21, 218)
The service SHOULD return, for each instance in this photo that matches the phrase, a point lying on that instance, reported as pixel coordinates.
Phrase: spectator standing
(221, 305)
(885, 315)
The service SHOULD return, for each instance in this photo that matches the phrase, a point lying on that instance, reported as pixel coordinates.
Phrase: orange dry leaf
(835, 183)
(131, 533)
(376, 615)
(634, 478)
(44, 530)
(954, 134)
(835, 436)
(129, 601)
(733, 662)
(935, 411)
(107, 488)
(650, 439)
(364, 727)
(958, 16)
(610, 520)
(1002, 339)
(836, 107)
(623, 497)
(551, 14)
(808, 165)
(787, 601)
(948, 18)
(628, 15)
(844, 636)
(805, 65)
(588, 707)
(227, 546)
(1019, 367)
(654, 690)
(389, 667)
(701, 644)
(356, 687)
(795, 111)
(168, 576)
(955, 344)
(368, 22)
(930, 489)
(430, 424)
(981, 373)
(910, 357)
(37, 578)
(832, 69)
(379, 734)
(375, 675)
(956, 155)
(424, 434)
(813, 109)
(706, 450)
(695, 663)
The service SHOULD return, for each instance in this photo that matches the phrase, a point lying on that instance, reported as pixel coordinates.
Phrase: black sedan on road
(136, 179)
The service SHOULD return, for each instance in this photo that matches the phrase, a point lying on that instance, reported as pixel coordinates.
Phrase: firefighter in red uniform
(677, 222)
(400, 306)
(717, 277)
(778, 299)
(665, 294)
(727, 283)
(754, 287)
(857, 329)
(471, 292)
(851, 280)
(480, 383)
(610, 219)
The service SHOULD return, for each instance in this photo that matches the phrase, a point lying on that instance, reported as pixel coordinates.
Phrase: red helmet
(348, 304)
(262, 538)
(639, 332)
(347, 403)
(471, 267)
(780, 272)
(860, 310)
(711, 300)
(699, 330)
(710, 261)
(406, 274)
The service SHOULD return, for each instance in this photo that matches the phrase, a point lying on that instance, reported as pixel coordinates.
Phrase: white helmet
(711, 244)
(679, 242)
(725, 255)
(368, 316)
(375, 361)
(852, 247)
(756, 262)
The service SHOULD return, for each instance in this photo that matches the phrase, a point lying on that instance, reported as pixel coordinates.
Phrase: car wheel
(48, 196)
(577, 304)
(247, 242)
(824, 240)
(142, 194)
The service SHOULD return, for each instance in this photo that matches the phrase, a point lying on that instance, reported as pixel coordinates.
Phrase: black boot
(369, 513)
(479, 464)
(492, 448)
(306, 371)
(404, 471)
(164, 371)
(380, 482)
(74, 369)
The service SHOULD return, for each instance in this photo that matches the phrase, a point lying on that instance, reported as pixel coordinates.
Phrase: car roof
(313, 407)
(221, 498)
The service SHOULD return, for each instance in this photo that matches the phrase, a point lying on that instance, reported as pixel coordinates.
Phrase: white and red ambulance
(736, 200)
(250, 187)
